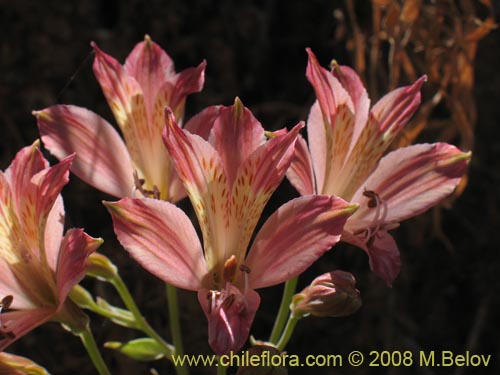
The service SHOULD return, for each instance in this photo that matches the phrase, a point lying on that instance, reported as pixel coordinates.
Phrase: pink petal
(385, 260)
(10, 285)
(16, 324)
(117, 85)
(27, 162)
(102, 159)
(151, 67)
(409, 181)
(161, 238)
(49, 184)
(200, 169)
(386, 120)
(297, 234)
(126, 100)
(189, 81)
(54, 232)
(257, 178)
(300, 174)
(75, 248)
(229, 322)
(350, 81)
(330, 134)
(203, 122)
(236, 135)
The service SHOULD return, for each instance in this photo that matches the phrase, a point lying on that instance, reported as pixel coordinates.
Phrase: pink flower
(347, 142)
(229, 180)
(16, 365)
(137, 93)
(38, 265)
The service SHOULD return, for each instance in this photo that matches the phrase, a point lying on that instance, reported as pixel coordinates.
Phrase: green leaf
(144, 349)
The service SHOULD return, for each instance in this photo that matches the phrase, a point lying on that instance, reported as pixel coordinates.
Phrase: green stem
(221, 370)
(284, 309)
(129, 302)
(287, 332)
(94, 353)
(175, 326)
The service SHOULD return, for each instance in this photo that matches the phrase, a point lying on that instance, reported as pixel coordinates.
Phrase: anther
(230, 267)
(244, 268)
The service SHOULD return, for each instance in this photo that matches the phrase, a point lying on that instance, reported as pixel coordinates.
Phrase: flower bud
(332, 294)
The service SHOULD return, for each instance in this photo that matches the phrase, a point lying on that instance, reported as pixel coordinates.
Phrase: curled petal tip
(147, 39)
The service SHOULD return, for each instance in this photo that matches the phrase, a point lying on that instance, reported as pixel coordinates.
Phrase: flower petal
(383, 252)
(16, 324)
(300, 174)
(161, 238)
(16, 365)
(295, 236)
(409, 181)
(126, 100)
(151, 67)
(189, 81)
(229, 323)
(330, 127)
(351, 82)
(54, 232)
(102, 159)
(200, 169)
(236, 135)
(257, 178)
(386, 120)
(75, 248)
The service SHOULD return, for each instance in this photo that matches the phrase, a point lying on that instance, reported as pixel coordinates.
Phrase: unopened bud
(332, 294)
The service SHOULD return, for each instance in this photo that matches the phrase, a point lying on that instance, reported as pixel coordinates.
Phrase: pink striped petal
(27, 162)
(11, 285)
(300, 174)
(54, 232)
(200, 169)
(257, 178)
(409, 181)
(383, 253)
(200, 124)
(203, 122)
(75, 248)
(236, 135)
(230, 319)
(295, 236)
(151, 67)
(161, 238)
(189, 81)
(386, 120)
(351, 82)
(102, 159)
(16, 324)
(330, 126)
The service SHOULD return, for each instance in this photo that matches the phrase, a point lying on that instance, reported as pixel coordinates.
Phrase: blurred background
(446, 297)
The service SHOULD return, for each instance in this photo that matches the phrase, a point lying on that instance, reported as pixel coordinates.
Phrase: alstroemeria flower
(38, 265)
(137, 93)
(347, 142)
(229, 180)
(11, 364)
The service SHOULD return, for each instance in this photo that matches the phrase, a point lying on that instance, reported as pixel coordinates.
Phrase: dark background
(446, 297)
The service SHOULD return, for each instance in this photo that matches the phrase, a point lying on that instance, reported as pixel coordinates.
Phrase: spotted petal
(200, 169)
(387, 118)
